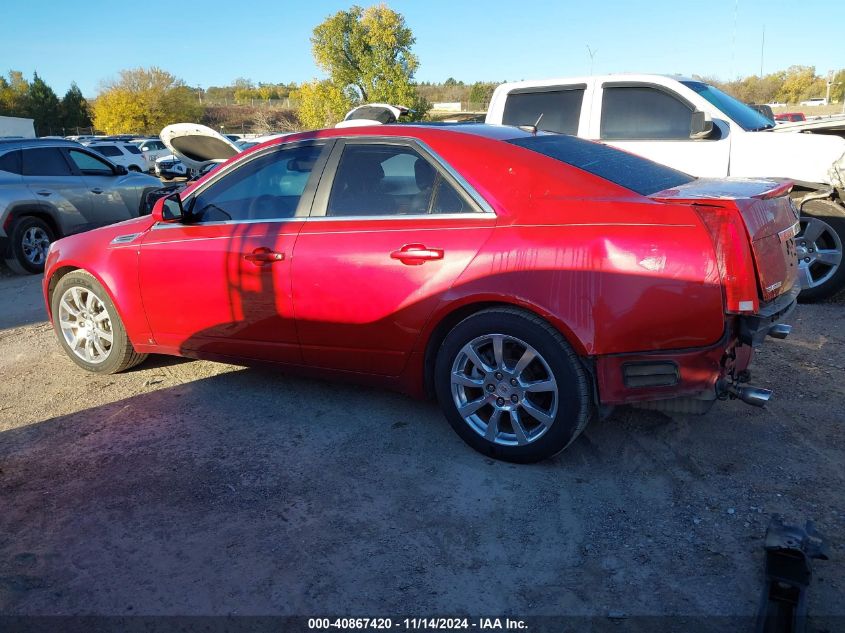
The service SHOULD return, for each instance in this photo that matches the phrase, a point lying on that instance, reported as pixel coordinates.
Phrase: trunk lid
(769, 220)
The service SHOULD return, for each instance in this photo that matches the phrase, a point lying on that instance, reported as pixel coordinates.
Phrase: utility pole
(592, 54)
(762, 49)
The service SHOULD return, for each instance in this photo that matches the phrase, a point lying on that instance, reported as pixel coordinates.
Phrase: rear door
(654, 122)
(391, 230)
(51, 178)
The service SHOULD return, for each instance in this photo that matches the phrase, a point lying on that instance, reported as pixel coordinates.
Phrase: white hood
(197, 146)
(373, 114)
(803, 157)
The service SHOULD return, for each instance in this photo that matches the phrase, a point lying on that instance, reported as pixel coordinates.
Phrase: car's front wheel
(820, 266)
(511, 386)
(88, 326)
(30, 239)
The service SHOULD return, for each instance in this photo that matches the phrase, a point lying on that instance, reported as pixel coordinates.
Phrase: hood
(197, 145)
(800, 157)
(373, 114)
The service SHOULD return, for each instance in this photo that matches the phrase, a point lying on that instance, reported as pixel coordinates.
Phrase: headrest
(425, 174)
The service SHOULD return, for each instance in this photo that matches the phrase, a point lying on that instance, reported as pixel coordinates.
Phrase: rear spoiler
(709, 191)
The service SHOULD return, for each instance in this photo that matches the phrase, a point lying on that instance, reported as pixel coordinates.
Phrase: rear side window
(626, 170)
(644, 113)
(131, 149)
(107, 150)
(560, 109)
(11, 162)
(45, 161)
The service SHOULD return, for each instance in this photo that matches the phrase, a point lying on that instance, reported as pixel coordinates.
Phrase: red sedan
(528, 281)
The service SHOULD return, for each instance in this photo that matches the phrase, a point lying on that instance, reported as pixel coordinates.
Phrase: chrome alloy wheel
(85, 324)
(504, 390)
(819, 251)
(35, 244)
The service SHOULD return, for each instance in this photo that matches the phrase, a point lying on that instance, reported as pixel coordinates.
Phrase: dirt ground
(188, 487)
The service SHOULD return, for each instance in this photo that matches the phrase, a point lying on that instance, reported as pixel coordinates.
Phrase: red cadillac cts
(528, 281)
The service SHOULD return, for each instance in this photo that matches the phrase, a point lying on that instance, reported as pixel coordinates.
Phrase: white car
(121, 154)
(814, 102)
(695, 127)
(152, 149)
(169, 166)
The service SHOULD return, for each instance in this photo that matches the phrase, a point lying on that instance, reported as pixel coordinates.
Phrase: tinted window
(45, 161)
(643, 113)
(89, 164)
(626, 170)
(131, 149)
(107, 150)
(561, 109)
(267, 187)
(11, 162)
(376, 179)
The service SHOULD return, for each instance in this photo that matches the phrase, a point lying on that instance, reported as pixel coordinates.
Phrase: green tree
(837, 90)
(74, 109)
(367, 56)
(481, 92)
(144, 101)
(44, 107)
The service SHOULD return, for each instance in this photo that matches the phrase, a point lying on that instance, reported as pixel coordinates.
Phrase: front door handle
(96, 190)
(263, 255)
(43, 192)
(416, 254)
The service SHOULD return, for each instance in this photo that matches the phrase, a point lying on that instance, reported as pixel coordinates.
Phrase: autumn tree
(144, 101)
(367, 56)
(14, 94)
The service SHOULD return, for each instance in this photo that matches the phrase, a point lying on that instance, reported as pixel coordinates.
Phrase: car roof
(420, 131)
(19, 143)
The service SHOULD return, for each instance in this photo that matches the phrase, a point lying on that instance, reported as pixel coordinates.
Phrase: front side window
(45, 161)
(376, 179)
(643, 113)
(89, 164)
(557, 109)
(265, 188)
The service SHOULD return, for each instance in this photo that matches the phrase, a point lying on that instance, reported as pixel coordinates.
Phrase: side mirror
(168, 209)
(701, 125)
(120, 170)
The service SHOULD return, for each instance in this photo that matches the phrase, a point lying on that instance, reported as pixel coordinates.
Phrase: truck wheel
(30, 239)
(819, 245)
(511, 386)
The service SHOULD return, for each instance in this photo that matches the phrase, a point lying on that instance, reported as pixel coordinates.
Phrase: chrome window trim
(408, 216)
(468, 188)
(171, 225)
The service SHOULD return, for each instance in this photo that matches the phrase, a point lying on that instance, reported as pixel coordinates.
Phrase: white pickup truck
(696, 128)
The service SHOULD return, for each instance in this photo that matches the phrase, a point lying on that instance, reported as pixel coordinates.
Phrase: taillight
(733, 256)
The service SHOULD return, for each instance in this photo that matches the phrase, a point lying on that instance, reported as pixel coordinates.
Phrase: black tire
(573, 409)
(832, 215)
(122, 354)
(20, 256)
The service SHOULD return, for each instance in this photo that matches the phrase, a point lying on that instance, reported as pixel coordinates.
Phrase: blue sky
(211, 42)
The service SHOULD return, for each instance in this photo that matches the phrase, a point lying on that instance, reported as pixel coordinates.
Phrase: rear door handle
(96, 190)
(261, 256)
(416, 254)
(43, 192)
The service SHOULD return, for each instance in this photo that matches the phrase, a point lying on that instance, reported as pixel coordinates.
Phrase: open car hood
(373, 114)
(197, 146)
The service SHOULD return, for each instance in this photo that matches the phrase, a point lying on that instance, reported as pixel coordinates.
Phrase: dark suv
(52, 188)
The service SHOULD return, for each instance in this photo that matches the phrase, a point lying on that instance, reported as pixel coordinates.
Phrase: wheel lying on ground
(511, 386)
(819, 245)
(88, 326)
(29, 241)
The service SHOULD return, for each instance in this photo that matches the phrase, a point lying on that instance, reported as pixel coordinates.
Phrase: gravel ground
(187, 487)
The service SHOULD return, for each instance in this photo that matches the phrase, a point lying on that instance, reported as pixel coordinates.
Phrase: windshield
(747, 118)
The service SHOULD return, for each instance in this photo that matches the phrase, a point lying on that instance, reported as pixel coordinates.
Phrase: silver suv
(52, 188)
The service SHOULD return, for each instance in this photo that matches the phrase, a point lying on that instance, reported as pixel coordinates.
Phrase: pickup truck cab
(694, 127)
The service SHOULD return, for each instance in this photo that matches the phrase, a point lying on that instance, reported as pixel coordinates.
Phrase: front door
(390, 232)
(107, 205)
(218, 283)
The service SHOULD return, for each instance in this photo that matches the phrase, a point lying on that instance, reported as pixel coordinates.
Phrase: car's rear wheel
(819, 247)
(88, 326)
(511, 386)
(30, 239)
